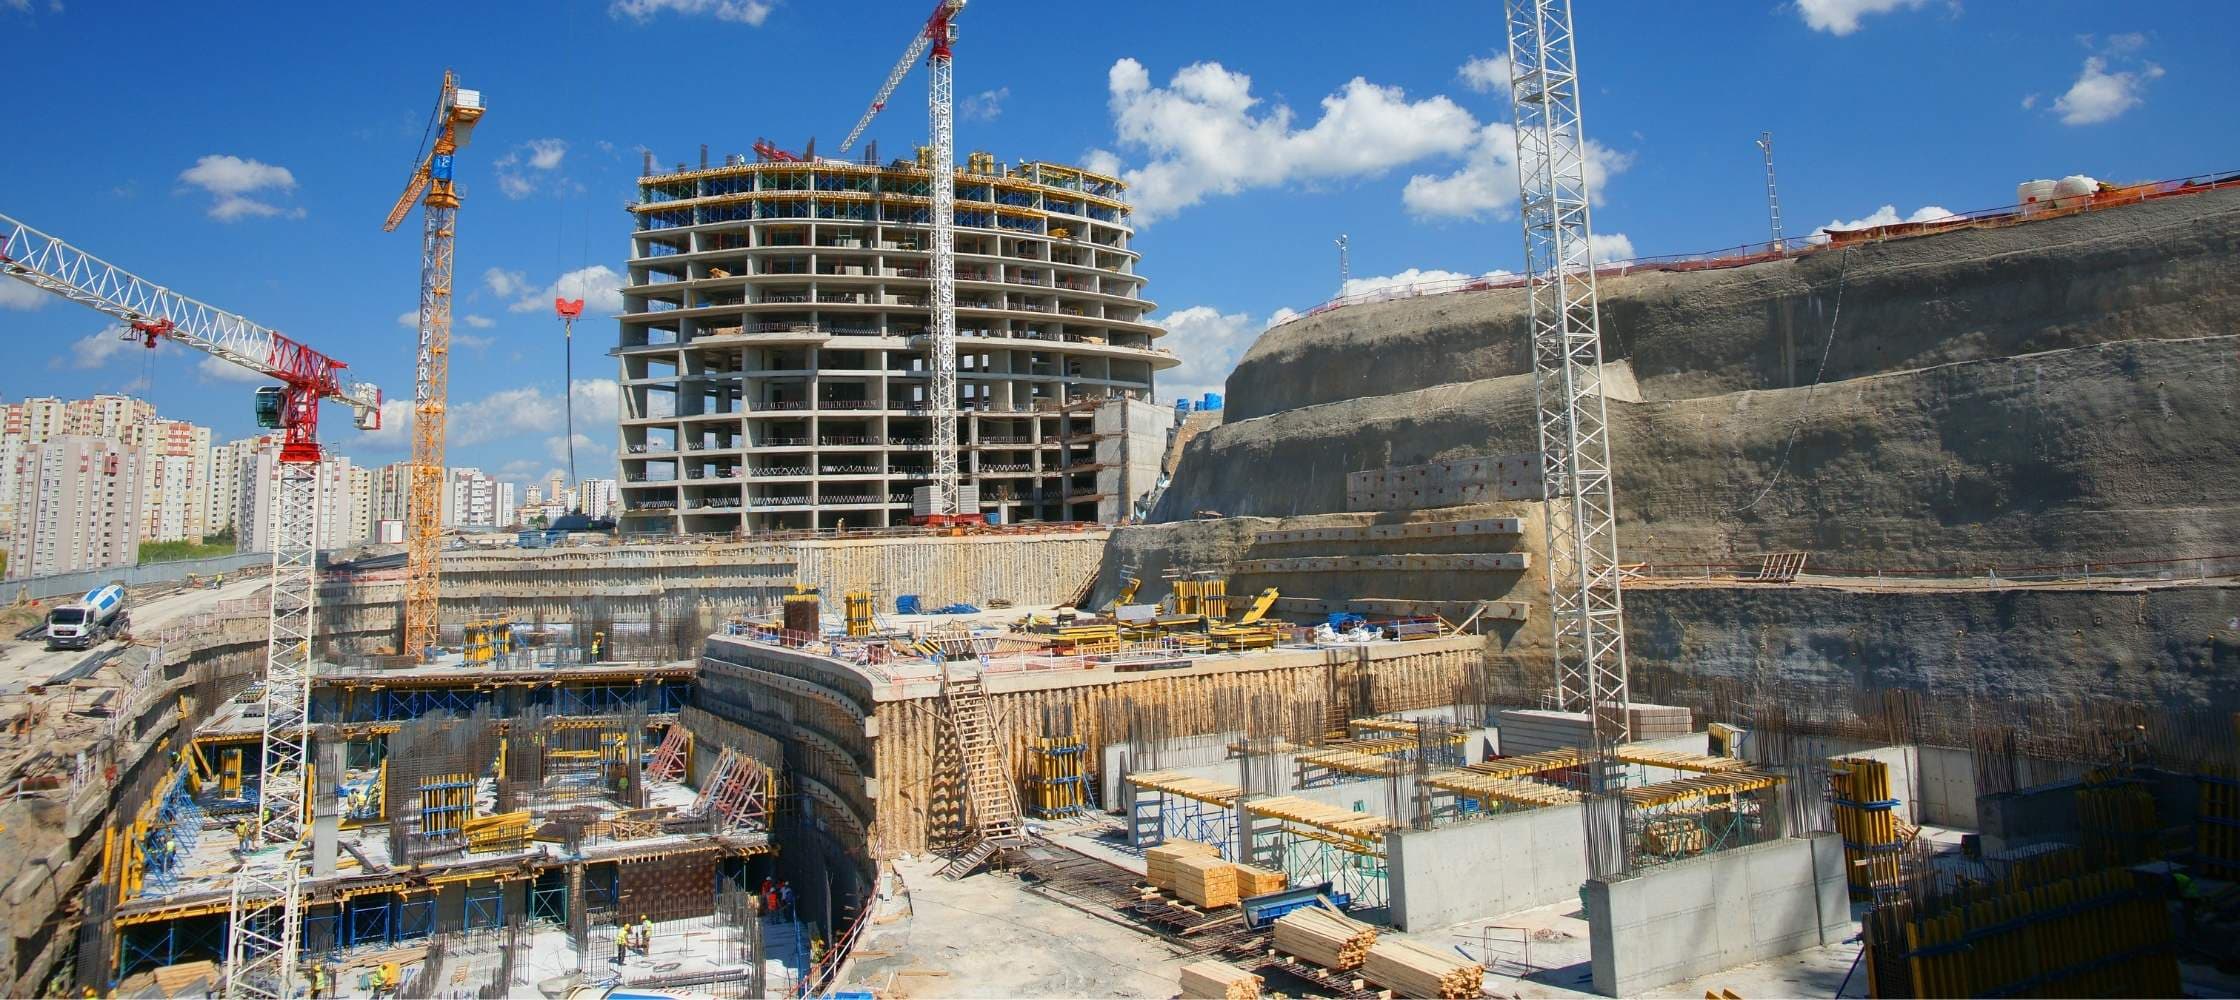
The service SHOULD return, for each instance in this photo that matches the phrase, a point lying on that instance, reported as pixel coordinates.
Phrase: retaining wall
(1714, 912)
(1485, 867)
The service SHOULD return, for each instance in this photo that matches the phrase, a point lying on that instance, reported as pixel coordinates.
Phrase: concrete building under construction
(773, 346)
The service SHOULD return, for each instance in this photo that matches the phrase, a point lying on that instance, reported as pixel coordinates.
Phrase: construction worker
(318, 981)
(621, 943)
(241, 832)
(816, 949)
(645, 936)
(785, 898)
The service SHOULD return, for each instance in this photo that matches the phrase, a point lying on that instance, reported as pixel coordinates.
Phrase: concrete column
(326, 808)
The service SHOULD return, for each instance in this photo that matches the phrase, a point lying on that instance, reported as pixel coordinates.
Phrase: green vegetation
(159, 552)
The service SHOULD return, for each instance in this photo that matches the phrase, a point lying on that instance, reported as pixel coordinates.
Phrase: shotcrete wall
(2164, 270)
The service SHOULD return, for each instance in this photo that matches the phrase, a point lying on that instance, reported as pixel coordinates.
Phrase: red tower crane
(265, 908)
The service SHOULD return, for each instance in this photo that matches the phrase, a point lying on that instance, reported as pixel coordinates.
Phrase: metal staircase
(992, 805)
(668, 758)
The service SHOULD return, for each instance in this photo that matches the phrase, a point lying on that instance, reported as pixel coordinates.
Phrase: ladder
(992, 806)
(729, 795)
(668, 758)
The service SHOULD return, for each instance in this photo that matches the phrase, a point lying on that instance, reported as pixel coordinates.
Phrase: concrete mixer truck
(88, 622)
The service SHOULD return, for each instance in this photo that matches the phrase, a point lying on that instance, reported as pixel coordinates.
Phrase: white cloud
(1887, 215)
(557, 446)
(748, 12)
(1607, 247)
(1487, 183)
(396, 428)
(597, 285)
(1488, 74)
(17, 295)
(480, 322)
(96, 350)
(1204, 135)
(520, 170)
(985, 106)
(2029, 101)
(227, 371)
(505, 284)
(1209, 342)
(471, 340)
(1415, 279)
(241, 188)
(1841, 17)
(2127, 44)
(2100, 95)
(409, 319)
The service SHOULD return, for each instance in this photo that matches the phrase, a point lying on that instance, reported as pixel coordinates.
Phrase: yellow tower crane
(452, 125)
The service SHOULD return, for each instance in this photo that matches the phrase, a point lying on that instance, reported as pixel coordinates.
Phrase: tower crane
(265, 907)
(456, 113)
(944, 497)
(1586, 609)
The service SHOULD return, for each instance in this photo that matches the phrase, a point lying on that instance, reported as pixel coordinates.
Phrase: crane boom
(151, 310)
(937, 26)
(265, 901)
(457, 111)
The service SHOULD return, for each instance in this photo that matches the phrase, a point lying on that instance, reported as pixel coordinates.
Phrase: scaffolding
(1172, 806)
(1312, 843)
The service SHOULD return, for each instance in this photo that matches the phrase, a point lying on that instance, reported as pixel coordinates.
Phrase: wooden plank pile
(1409, 969)
(1325, 937)
(1218, 981)
(187, 979)
(1159, 862)
(1252, 881)
(1205, 882)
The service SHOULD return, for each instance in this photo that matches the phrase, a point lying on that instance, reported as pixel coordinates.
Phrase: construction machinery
(945, 501)
(456, 113)
(265, 903)
(487, 639)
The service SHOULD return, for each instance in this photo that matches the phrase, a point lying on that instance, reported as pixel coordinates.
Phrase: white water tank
(2035, 196)
(2074, 189)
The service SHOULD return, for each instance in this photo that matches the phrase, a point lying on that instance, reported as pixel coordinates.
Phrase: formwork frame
(1181, 807)
(1311, 842)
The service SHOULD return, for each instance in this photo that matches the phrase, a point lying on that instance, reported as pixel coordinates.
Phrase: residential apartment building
(78, 506)
(476, 500)
(597, 498)
(342, 515)
(175, 480)
(773, 353)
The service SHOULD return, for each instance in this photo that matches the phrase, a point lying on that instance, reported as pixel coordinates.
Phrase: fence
(40, 588)
(2109, 571)
(1753, 253)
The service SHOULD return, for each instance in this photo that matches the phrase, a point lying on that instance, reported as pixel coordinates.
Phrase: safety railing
(1753, 253)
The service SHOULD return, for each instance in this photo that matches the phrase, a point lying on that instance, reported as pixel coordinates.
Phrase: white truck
(91, 621)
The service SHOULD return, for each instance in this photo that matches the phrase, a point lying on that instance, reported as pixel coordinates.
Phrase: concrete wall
(1948, 787)
(1715, 912)
(1485, 867)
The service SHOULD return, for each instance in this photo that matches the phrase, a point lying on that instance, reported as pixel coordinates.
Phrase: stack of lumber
(1206, 882)
(1218, 981)
(1325, 937)
(1656, 722)
(1253, 881)
(1159, 861)
(1533, 730)
(188, 979)
(1409, 969)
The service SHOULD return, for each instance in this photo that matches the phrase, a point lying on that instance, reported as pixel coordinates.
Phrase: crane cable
(1781, 468)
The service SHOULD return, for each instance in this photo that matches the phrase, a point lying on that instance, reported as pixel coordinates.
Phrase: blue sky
(248, 159)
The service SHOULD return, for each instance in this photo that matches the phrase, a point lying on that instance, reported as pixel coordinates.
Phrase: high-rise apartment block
(773, 345)
(175, 477)
(77, 506)
(477, 500)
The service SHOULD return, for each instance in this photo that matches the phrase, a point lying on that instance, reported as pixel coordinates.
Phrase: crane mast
(1586, 609)
(456, 113)
(939, 106)
(265, 901)
(944, 497)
